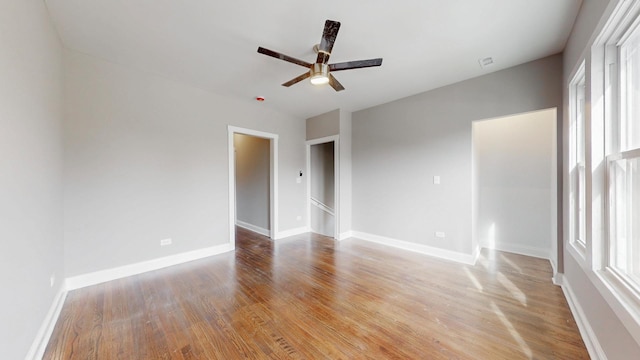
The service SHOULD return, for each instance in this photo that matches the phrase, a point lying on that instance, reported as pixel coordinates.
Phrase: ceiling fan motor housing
(319, 73)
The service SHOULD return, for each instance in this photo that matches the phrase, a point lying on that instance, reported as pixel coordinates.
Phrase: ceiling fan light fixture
(319, 74)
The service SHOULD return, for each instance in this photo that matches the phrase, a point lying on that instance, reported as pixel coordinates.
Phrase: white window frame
(627, 25)
(577, 161)
(604, 73)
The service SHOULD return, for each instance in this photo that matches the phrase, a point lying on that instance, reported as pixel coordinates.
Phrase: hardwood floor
(308, 297)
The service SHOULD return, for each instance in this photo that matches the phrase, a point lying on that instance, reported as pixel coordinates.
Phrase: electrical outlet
(439, 234)
(165, 242)
(52, 279)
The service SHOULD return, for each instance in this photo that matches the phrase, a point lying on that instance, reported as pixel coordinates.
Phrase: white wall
(31, 249)
(605, 325)
(516, 177)
(252, 180)
(146, 159)
(398, 147)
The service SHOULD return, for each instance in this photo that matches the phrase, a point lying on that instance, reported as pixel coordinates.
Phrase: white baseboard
(291, 232)
(522, 250)
(586, 330)
(254, 228)
(80, 281)
(39, 344)
(557, 279)
(419, 248)
(345, 235)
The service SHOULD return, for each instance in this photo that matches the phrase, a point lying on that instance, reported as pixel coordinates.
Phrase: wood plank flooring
(308, 297)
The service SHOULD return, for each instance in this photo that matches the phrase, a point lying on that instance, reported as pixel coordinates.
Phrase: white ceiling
(212, 44)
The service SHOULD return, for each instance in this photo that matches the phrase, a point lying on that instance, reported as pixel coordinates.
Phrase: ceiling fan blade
(284, 57)
(335, 84)
(358, 64)
(328, 38)
(297, 79)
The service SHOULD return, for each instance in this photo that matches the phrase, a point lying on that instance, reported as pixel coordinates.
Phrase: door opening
(252, 181)
(322, 160)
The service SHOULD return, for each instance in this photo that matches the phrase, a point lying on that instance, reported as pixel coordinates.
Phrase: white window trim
(603, 73)
(578, 247)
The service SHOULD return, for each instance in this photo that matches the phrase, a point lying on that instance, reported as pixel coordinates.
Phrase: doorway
(253, 181)
(515, 183)
(322, 168)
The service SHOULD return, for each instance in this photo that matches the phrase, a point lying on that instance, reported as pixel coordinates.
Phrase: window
(628, 134)
(577, 161)
(603, 164)
(624, 209)
(622, 244)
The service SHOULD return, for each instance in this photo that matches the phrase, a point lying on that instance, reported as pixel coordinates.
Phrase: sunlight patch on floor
(513, 289)
(511, 263)
(525, 348)
(483, 261)
(473, 279)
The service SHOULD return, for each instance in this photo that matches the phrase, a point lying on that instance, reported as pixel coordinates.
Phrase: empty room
(335, 180)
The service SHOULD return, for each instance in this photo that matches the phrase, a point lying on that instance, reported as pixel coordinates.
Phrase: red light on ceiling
(259, 98)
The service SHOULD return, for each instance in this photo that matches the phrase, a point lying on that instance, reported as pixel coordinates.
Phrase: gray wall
(398, 147)
(515, 179)
(338, 122)
(607, 325)
(252, 180)
(146, 159)
(322, 180)
(31, 245)
(346, 168)
(323, 125)
(323, 173)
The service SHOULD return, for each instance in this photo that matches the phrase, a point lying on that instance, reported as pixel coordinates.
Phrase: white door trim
(273, 174)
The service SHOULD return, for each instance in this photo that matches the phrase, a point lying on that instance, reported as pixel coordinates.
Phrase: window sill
(620, 299)
(578, 251)
(614, 292)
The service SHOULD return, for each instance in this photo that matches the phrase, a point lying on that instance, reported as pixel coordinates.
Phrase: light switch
(299, 180)
(436, 180)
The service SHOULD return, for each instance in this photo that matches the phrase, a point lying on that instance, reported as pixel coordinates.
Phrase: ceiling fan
(320, 71)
